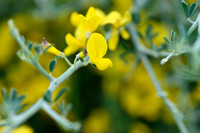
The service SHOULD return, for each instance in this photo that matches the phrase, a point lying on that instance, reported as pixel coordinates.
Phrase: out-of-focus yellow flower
(191, 1)
(140, 128)
(52, 49)
(21, 129)
(118, 22)
(97, 48)
(123, 5)
(195, 95)
(7, 45)
(157, 27)
(97, 122)
(113, 79)
(137, 98)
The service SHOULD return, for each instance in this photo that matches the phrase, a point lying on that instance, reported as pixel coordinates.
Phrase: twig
(177, 115)
(19, 119)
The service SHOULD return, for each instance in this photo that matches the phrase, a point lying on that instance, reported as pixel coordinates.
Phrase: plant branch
(161, 93)
(19, 119)
(15, 33)
(61, 119)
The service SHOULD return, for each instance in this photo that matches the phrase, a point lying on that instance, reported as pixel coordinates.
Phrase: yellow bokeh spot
(97, 122)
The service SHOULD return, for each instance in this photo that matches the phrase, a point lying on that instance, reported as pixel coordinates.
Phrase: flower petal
(69, 50)
(93, 23)
(91, 12)
(74, 18)
(53, 50)
(114, 39)
(72, 41)
(125, 19)
(112, 18)
(103, 63)
(96, 46)
(124, 33)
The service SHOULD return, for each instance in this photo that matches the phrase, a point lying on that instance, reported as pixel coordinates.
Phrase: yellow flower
(52, 49)
(21, 129)
(96, 49)
(85, 26)
(91, 21)
(140, 128)
(97, 122)
(118, 22)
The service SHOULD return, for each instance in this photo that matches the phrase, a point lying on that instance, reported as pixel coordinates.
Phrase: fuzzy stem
(19, 119)
(15, 33)
(161, 93)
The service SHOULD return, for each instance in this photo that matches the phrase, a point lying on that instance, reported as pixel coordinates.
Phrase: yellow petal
(91, 12)
(96, 46)
(125, 19)
(53, 50)
(100, 13)
(114, 39)
(74, 18)
(69, 50)
(103, 63)
(112, 18)
(124, 33)
(93, 23)
(23, 129)
(81, 32)
(72, 41)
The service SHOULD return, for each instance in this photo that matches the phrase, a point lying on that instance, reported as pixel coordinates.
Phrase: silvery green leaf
(185, 8)
(192, 9)
(60, 93)
(48, 96)
(52, 65)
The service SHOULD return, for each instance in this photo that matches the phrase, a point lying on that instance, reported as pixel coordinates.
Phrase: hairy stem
(15, 33)
(19, 119)
(161, 93)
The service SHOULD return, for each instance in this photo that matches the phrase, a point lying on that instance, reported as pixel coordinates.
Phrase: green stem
(54, 83)
(61, 119)
(15, 33)
(161, 93)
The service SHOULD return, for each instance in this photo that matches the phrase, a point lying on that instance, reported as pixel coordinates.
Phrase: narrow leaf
(172, 36)
(23, 38)
(167, 41)
(192, 9)
(21, 98)
(38, 48)
(48, 97)
(148, 30)
(13, 95)
(185, 8)
(4, 94)
(61, 92)
(30, 45)
(52, 65)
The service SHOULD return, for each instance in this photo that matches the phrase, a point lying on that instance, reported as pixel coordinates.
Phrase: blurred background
(118, 100)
